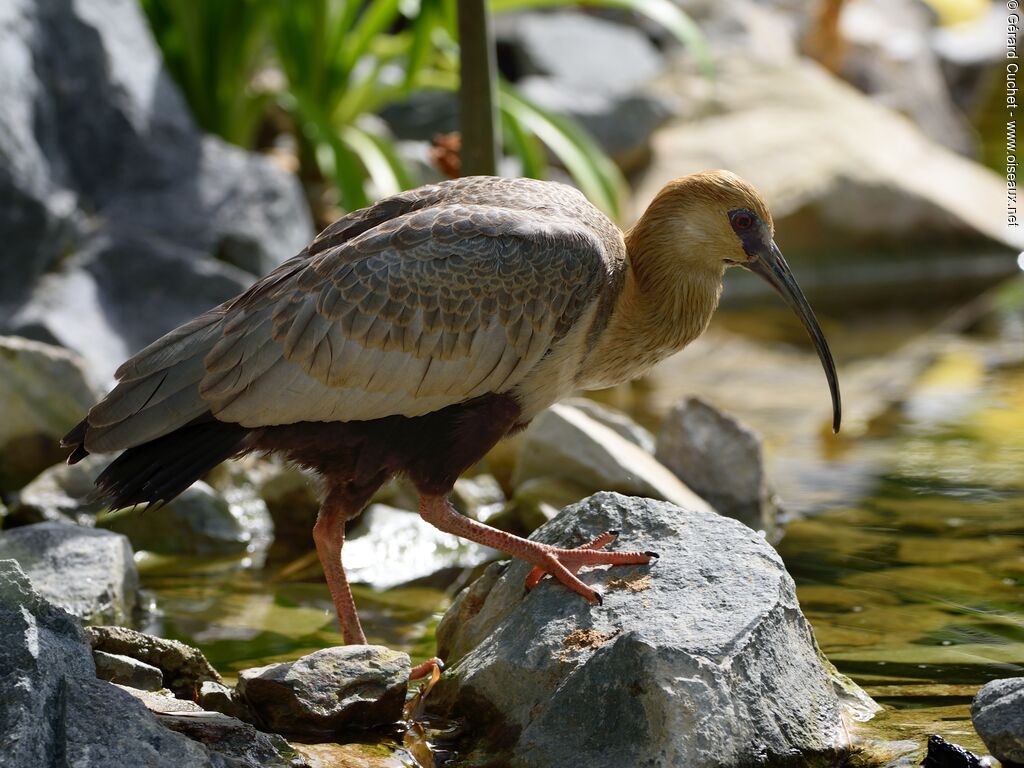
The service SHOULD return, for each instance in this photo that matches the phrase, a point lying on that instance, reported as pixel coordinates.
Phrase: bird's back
(425, 299)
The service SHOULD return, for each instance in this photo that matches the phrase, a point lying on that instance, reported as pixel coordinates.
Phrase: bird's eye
(741, 220)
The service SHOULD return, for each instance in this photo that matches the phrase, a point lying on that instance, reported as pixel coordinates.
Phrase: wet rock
(136, 191)
(354, 686)
(45, 392)
(846, 179)
(564, 442)
(184, 668)
(88, 573)
(700, 659)
(200, 521)
(718, 458)
(998, 716)
(241, 745)
(54, 709)
(124, 670)
(945, 754)
(389, 546)
(217, 697)
(61, 493)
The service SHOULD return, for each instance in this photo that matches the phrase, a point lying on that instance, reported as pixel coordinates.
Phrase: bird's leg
(329, 535)
(560, 563)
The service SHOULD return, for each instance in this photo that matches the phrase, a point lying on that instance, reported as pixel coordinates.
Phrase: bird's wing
(427, 309)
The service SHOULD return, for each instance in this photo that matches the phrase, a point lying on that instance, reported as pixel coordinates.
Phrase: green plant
(344, 60)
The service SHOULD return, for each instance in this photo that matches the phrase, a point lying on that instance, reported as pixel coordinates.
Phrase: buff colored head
(714, 220)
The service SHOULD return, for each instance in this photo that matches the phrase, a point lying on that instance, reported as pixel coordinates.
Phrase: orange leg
(533, 577)
(329, 535)
(560, 563)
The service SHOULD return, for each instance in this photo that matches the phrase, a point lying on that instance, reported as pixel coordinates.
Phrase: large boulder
(848, 182)
(102, 169)
(702, 658)
(44, 391)
(86, 572)
(54, 710)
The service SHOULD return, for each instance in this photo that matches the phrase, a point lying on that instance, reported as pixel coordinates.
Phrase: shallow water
(909, 561)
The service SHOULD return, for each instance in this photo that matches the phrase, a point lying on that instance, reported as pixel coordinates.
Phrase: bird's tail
(158, 417)
(160, 469)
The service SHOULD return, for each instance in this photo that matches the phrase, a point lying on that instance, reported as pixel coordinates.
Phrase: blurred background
(157, 156)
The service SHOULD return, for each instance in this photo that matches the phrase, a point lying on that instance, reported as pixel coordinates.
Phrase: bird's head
(714, 220)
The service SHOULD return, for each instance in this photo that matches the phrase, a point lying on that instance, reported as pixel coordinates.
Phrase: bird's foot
(591, 553)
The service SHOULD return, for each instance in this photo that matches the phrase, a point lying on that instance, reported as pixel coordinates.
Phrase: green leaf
(596, 175)
(379, 158)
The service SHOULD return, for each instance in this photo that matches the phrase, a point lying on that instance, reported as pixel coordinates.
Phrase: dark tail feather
(76, 439)
(159, 470)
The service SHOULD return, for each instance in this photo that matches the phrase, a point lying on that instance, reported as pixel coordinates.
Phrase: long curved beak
(773, 268)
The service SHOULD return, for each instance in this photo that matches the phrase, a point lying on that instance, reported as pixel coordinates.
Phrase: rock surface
(998, 716)
(354, 686)
(560, 61)
(564, 442)
(845, 178)
(201, 521)
(54, 710)
(184, 668)
(719, 459)
(61, 493)
(701, 659)
(88, 573)
(45, 391)
(108, 188)
(124, 670)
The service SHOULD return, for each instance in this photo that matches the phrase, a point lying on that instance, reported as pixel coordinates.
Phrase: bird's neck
(665, 303)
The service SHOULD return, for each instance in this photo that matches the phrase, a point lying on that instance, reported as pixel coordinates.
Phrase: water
(908, 552)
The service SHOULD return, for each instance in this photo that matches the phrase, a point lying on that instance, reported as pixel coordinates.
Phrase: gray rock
(60, 493)
(718, 458)
(238, 744)
(45, 392)
(217, 697)
(87, 572)
(124, 670)
(115, 295)
(103, 161)
(848, 182)
(200, 521)
(293, 500)
(617, 421)
(387, 547)
(478, 497)
(998, 716)
(184, 668)
(564, 442)
(54, 709)
(353, 686)
(888, 54)
(701, 659)
(573, 48)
